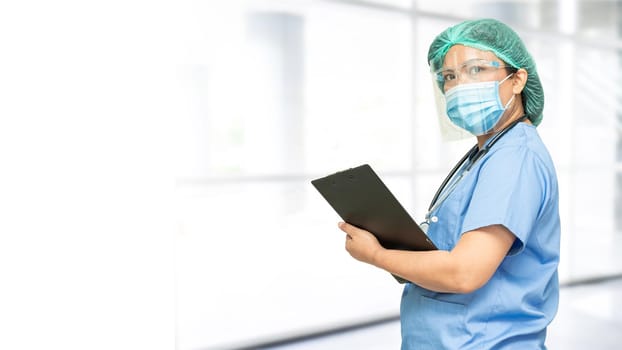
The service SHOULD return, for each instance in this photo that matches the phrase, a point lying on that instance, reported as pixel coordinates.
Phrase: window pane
(290, 94)
(358, 72)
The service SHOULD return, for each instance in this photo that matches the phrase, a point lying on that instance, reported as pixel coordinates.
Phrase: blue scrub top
(514, 185)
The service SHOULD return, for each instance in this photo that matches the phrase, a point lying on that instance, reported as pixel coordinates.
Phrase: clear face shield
(449, 131)
(446, 80)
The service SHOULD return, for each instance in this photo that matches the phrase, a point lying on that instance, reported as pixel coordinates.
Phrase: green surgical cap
(492, 35)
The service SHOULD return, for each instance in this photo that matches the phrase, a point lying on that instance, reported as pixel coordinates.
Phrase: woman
(493, 282)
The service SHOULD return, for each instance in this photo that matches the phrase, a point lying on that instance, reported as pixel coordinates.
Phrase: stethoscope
(461, 168)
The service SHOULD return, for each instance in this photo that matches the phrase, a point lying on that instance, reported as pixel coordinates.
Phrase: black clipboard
(360, 198)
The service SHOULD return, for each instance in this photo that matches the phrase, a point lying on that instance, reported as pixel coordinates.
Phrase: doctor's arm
(464, 269)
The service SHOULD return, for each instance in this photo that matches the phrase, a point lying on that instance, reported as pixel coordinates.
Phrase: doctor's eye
(473, 71)
(448, 75)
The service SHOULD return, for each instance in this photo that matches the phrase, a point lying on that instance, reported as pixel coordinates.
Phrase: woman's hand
(361, 244)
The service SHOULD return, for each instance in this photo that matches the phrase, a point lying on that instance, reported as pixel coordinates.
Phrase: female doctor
(492, 284)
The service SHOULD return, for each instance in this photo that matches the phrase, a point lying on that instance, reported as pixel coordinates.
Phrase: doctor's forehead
(458, 54)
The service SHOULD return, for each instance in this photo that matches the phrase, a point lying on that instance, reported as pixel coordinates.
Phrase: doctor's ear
(519, 79)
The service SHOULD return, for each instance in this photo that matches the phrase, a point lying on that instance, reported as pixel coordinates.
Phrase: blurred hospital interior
(281, 92)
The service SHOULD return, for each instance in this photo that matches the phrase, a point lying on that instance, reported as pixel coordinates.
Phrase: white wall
(86, 224)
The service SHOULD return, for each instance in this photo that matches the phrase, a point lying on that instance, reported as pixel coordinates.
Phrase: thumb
(347, 228)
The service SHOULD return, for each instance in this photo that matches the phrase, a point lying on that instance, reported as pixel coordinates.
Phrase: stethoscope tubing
(472, 156)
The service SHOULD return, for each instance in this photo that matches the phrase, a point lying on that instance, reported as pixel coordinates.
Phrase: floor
(589, 317)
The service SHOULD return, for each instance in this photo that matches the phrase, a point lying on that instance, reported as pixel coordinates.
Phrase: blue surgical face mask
(476, 107)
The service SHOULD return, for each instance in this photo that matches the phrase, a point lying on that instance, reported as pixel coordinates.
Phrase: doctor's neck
(513, 113)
